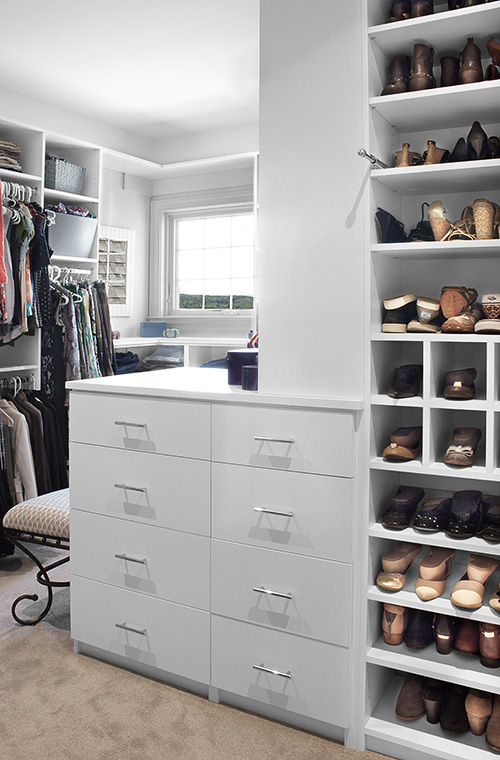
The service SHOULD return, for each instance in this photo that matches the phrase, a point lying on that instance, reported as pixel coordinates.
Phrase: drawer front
(162, 490)
(157, 426)
(316, 510)
(167, 636)
(157, 561)
(318, 686)
(284, 439)
(320, 591)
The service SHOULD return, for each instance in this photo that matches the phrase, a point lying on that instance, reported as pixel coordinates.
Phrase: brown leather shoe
(394, 622)
(399, 69)
(493, 727)
(422, 77)
(459, 384)
(410, 703)
(434, 155)
(406, 157)
(494, 50)
(400, 10)
(478, 705)
(489, 645)
(464, 322)
(471, 69)
(455, 298)
(422, 8)
(467, 640)
(450, 66)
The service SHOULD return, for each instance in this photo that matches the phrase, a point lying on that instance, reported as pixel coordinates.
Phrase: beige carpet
(56, 705)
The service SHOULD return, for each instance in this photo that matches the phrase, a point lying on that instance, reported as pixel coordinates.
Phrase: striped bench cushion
(46, 515)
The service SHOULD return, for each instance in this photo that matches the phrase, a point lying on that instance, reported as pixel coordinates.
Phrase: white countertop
(187, 340)
(201, 384)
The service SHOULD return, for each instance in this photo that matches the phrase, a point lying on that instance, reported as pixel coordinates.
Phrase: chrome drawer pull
(131, 559)
(131, 424)
(268, 591)
(273, 440)
(272, 512)
(270, 670)
(133, 630)
(129, 488)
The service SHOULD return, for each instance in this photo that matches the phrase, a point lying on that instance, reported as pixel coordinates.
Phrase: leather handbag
(391, 229)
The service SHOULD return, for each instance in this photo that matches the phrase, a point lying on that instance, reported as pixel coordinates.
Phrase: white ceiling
(158, 68)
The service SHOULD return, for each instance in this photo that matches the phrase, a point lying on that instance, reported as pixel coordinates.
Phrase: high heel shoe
(400, 10)
(394, 623)
(434, 155)
(491, 73)
(471, 69)
(459, 152)
(436, 215)
(433, 573)
(422, 8)
(395, 565)
(484, 218)
(469, 591)
(406, 157)
(494, 50)
(494, 143)
(477, 143)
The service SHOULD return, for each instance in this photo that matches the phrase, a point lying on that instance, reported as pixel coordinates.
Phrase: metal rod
(126, 627)
(131, 559)
(372, 159)
(272, 512)
(131, 424)
(268, 591)
(272, 671)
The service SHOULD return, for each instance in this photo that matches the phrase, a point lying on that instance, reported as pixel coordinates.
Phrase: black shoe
(465, 514)
(401, 507)
(419, 631)
(453, 715)
(406, 381)
(433, 515)
(477, 143)
(459, 152)
(489, 524)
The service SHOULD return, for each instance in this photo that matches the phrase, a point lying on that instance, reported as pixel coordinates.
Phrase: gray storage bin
(72, 235)
(63, 175)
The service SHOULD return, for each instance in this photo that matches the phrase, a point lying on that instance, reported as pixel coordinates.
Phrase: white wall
(311, 183)
(210, 144)
(129, 210)
(41, 115)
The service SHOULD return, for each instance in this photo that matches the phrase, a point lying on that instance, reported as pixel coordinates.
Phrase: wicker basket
(63, 176)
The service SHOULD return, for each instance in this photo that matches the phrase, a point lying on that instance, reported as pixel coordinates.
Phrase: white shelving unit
(197, 351)
(443, 115)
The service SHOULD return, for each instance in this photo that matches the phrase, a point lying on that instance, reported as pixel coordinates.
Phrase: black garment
(40, 259)
(7, 491)
(42, 474)
(55, 457)
(53, 369)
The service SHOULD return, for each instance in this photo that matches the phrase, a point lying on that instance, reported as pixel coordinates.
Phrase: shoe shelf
(437, 468)
(456, 249)
(446, 30)
(381, 337)
(473, 544)
(473, 176)
(385, 729)
(441, 107)
(453, 667)
(442, 605)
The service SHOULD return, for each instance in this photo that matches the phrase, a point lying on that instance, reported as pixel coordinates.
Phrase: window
(212, 257)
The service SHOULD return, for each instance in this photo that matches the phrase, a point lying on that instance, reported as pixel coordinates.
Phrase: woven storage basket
(63, 176)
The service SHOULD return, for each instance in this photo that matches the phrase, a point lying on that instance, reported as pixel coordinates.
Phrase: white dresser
(212, 539)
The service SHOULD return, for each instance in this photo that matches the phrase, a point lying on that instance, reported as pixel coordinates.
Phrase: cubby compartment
(448, 356)
(442, 424)
(387, 356)
(385, 420)
(31, 143)
(88, 158)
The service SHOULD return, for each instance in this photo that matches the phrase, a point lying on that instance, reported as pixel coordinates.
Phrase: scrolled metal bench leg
(43, 578)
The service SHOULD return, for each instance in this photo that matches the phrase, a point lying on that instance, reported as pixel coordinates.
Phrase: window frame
(170, 225)
(204, 321)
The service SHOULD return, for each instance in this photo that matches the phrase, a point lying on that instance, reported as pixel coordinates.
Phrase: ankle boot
(489, 645)
(454, 5)
(491, 73)
(434, 155)
(400, 75)
(450, 66)
(422, 8)
(477, 143)
(406, 157)
(400, 10)
(471, 69)
(422, 77)
(494, 50)
(470, 3)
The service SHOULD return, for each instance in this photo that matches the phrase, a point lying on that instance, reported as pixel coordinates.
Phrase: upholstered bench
(43, 520)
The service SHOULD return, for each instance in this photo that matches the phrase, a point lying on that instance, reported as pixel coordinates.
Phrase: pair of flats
(462, 449)
(469, 591)
(409, 313)
(458, 383)
(405, 444)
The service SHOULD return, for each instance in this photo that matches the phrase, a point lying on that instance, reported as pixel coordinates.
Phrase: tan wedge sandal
(433, 573)
(395, 565)
(484, 218)
(439, 223)
(469, 591)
